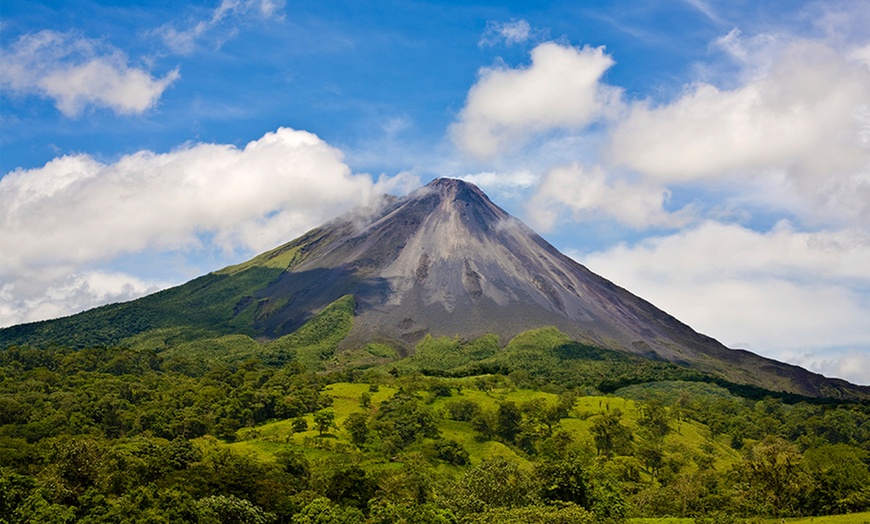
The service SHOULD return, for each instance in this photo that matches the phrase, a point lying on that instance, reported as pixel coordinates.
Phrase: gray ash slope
(447, 261)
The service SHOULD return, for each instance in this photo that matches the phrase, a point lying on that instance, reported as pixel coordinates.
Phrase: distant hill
(443, 261)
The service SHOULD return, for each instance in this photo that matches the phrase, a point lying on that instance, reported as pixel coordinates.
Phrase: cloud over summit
(77, 211)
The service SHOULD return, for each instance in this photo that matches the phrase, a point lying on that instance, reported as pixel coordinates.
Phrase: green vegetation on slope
(220, 303)
(203, 307)
(158, 434)
(315, 341)
(311, 345)
(204, 425)
(283, 257)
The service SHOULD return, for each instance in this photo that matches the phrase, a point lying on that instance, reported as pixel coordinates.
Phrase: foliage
(158, 434)
(839, 478)
(496, 483)
(316, 341)
(402, 420)
(610, 435)
(564, 480)
(222, 509)
(536, 514)
(323, 511)
(205, 306)
(357, 425)
(351, 486)
(450, 452)
(324, 420)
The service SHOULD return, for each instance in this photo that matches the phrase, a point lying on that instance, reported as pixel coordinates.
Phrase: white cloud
(805, 119)
(780, 129)
(784, 294)
(491, 180)
(76, 72)
(75, 212)
(513, 32)
(861, 54)
(184, 41)
(59, 291)
(560, 89)
(591, 193)
(850, 365)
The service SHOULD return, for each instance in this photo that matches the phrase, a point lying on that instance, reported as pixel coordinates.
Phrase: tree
(357, 425)
(610, 435)
(299, 425)
(655, 420)
(484, 423)
(324, 420)
(538, 514)
(840, 478)
(494, 483)
(564, 480)
(296, 466)
(652, 454)
(450, 451)
(509, 420)
(546, 415)
(232, 510)
(351, 486)
(463, 410)
(403, 420)
(605, 496)
(78, 464)
(774, 479)
(323, 511)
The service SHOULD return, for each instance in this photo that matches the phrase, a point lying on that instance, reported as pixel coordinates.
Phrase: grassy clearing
(852, 518)
(662, 520)
(688, 438)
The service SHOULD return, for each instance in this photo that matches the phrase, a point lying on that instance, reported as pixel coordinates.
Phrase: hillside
(121, 435)
(443, 261)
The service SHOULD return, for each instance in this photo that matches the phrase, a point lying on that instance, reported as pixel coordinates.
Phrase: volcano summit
(443, 260)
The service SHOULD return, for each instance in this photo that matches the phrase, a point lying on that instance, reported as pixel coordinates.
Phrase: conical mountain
(443, 260)
(447, 261)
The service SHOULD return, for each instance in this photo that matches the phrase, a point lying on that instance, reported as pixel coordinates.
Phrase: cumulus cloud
(59, 291)
(505, 185)
(76, 72)
(184, 41)
(780, 129)
(781, 293)
(592, 194)
(805, 119)
(80, 209)
(851, 365)
(76, 211)
(804, 113)
(861, 54)
(560, 89)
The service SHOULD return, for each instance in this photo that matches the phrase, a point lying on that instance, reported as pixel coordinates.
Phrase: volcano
(447, 261)
(442, 261)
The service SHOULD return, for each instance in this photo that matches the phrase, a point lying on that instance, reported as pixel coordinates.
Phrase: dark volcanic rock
(447, 261)
(444, 260)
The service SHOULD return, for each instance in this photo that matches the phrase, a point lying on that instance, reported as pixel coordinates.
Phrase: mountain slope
(444, 260)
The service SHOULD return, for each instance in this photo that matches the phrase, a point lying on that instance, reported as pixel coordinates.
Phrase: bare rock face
(447, 261)
(444, 260)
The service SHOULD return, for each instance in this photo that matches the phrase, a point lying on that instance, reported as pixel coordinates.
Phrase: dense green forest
(228, 430)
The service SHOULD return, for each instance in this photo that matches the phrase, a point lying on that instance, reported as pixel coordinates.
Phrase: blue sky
(711, 157)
